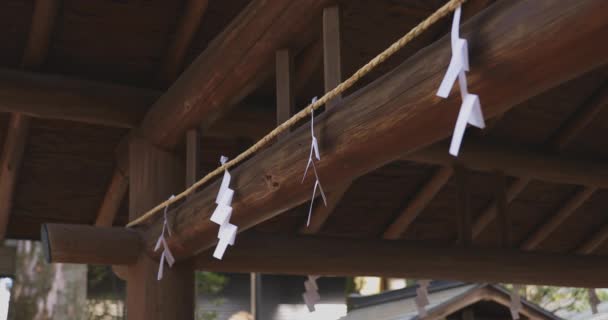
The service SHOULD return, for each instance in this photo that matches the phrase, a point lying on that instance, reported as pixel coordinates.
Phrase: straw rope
(342, 87)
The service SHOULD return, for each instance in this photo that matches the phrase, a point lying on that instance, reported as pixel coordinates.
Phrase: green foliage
(210, 284)
(557, 299)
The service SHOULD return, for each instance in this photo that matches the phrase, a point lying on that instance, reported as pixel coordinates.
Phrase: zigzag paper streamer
(515, 306)
(166, 255)
(314, 151)
(222, 213)
(470, 109)
(422, 299)
(311, 295)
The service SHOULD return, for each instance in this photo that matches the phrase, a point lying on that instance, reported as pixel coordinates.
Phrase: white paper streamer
(314, 152)
(470, 110)
(422, 299)
(166, 255)
(222, 213)
(311, 295)
(515, 306)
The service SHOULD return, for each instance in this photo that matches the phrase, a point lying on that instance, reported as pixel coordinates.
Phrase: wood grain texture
(368, 129)
(271, 253)
(285, 77)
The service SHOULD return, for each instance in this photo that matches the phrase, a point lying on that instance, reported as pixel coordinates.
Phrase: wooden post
(285, 85)
(155, 174)
(332, 65)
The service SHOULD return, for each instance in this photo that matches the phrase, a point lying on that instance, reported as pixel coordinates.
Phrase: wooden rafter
(572, 128)
(418, 203)
(384, 112)
(117, 190)
(187, 26)
(39, 39)
(321, 212)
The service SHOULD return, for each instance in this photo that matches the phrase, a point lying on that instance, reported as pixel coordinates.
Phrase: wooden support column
(284, 86)
(332, 61)
(332, 75)
(154, 176)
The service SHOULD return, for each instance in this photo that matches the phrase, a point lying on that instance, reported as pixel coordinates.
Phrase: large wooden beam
(64, 98)
(518, 162)
(205, 89)
(400, 112)
(270, 253)
(73, 243)
(14, 146)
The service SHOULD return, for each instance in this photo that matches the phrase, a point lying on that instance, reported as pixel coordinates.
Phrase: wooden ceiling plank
(500, 196)
(594, 242)
(285, 254)
(465, 229)
(187, 26)
(403, 104)
(553, 222)
(207, 88)
(420, 201)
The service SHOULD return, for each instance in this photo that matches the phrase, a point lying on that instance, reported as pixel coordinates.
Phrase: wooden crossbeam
(65, 98)
(518, 162)
(368, 129)
(187, 25)
(279, 254)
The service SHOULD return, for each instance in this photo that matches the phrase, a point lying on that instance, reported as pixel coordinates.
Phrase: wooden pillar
(332, 65)
(154, 176)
